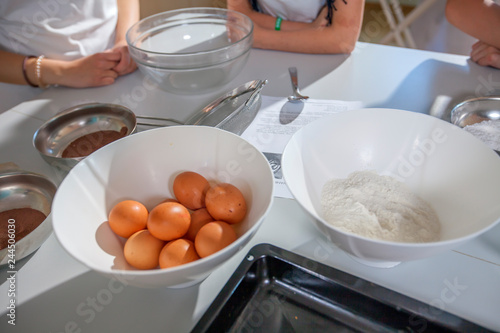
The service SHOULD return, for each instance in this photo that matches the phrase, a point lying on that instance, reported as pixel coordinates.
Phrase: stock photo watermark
(30, 24)
(452, 288)
(90, 307)
(260, 311)
(408, 164)
(233, 167)
(93, 137)
(138, 93)
(11, 272)
(450, 292)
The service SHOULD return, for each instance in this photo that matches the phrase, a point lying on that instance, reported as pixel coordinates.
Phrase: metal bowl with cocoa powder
(25, 205)
(75, 133)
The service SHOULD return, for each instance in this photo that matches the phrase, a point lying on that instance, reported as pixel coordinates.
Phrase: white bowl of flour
(389, 185)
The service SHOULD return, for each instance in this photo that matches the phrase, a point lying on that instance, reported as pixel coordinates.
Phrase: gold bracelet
(38, 72)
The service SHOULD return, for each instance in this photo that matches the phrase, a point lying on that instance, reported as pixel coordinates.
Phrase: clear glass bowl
(191, 50)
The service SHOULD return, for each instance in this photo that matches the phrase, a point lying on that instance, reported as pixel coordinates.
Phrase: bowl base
(375, 263)
(187, 284)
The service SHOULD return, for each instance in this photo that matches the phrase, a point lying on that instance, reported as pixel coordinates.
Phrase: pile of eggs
(193, 225)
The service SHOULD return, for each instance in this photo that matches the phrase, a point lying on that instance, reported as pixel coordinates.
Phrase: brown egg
(225, 202)
(212, 237)
(178, 252)
(127, 217)
(190, 189)
(170, 200)
(168, 221)
(199, 218)
(142, 250)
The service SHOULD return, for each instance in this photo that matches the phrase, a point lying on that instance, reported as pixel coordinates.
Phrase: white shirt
(295, 10)
(58, 29)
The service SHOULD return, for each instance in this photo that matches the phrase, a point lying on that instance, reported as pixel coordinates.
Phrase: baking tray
(274, 290)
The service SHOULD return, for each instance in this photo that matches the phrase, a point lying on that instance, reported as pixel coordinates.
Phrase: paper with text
(278, 119)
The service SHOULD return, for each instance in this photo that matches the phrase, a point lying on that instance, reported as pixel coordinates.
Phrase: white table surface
(54, 293)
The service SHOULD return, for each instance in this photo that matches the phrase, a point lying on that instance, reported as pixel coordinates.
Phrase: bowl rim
(319, 219)
(236, 245)
(67, 113)
(18, 172)
(50, 186)
(199, 10)
(25, 242)
(456, 112)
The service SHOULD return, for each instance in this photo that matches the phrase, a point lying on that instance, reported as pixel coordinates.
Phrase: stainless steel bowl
(476, 110)
(53, 137)
(22, 189)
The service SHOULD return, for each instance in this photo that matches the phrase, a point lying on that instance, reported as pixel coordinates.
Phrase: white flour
(379, 207)
(487, 131)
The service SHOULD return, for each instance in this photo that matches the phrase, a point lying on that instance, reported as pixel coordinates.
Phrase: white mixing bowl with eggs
(456, 173)
(142, 167)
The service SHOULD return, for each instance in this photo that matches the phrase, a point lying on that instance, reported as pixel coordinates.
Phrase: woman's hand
(91, 71)
(126, 64)
(485, 55)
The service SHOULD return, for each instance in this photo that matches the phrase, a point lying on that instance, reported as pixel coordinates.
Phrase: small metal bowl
(58, 133)
(22, 189)
(476, 110)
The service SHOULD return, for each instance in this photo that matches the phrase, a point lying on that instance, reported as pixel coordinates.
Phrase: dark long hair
(329, 3)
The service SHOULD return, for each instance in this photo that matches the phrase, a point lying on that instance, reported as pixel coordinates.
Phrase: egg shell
(127, 217)
(213, 237)
(199, 218)
(178, 252)
(225, 202)
(168, 221)
(142, 250)
(170, 200)
(190, 189)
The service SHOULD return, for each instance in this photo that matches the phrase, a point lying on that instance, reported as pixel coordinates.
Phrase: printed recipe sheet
(276, 122)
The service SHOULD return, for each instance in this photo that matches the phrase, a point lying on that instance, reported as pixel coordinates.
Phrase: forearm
(91, 71)
(51, 71)
(269, 22)
(477, 18)
(263, 20)
(12, 70)
(316, 37)
(128, 14)
(321, 40)
(338, 37)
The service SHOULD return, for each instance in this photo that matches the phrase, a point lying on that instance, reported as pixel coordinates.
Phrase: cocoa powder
(89, 143)
(26, 220)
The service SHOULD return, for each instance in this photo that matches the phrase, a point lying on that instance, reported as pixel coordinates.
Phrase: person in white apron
(77, 43)
(306, 26)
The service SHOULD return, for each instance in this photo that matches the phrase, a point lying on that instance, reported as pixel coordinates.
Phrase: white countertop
(57, 294)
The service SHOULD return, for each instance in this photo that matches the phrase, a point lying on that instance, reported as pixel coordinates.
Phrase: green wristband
(277, 26)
